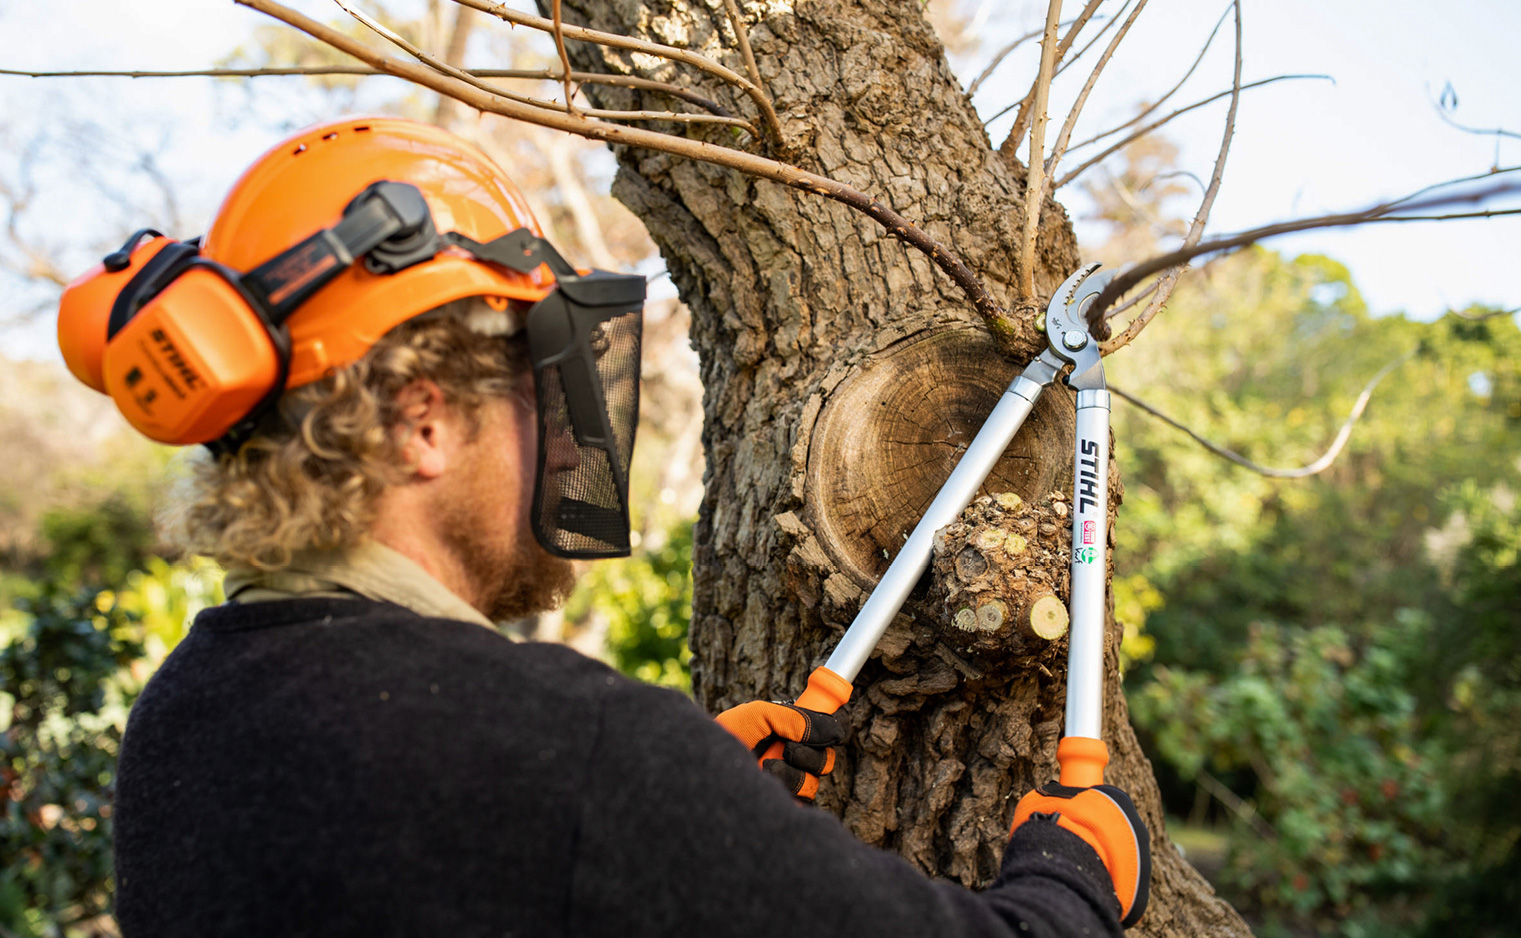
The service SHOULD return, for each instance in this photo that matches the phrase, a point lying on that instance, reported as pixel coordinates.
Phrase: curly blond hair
(310, 475)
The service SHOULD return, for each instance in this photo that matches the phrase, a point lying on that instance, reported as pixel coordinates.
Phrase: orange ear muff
(196, 358)
(193, 351)
(84, 311)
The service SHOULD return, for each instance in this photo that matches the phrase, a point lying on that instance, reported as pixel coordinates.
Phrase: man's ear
(426, 428)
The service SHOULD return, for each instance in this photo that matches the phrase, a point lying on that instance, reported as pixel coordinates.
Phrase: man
(416, 412)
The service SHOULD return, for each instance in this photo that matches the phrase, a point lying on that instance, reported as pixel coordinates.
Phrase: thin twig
(391, 36)
(1066, 62)
(1497, 171)
(1131, 138)
(446, 109)
(559, 33)
(1195, 229)
(1132, 276)
(998, 58)
(1150, 108)
(539, 74)
(447, 69)
(1135, 299)
(1478, 131)
(1452, 216)
(1489, 315)
(1179, 172)
(1017, 132)
(1060, 148)
(997, 320)
(1244, 810)
(614, 40)
(1318, 466)
(1035, 184)
(742, 37)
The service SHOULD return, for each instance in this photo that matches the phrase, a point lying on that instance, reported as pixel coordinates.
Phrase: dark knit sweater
(345, 767)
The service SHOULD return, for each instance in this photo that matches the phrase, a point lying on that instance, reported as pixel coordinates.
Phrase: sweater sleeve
(682, 834)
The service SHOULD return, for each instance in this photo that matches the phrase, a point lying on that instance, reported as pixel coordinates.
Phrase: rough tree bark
(842, 375)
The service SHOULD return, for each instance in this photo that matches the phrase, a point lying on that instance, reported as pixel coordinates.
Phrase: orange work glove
(1106, 818)
(806, 736)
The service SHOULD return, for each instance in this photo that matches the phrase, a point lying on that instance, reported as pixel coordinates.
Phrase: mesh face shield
(584, 339)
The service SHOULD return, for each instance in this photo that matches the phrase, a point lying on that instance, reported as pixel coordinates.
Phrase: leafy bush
(69, 685)
(72, 660)
(646, 600)
(1353, 800)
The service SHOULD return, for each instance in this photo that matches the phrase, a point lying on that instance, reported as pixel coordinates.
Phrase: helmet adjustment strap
(388, 224)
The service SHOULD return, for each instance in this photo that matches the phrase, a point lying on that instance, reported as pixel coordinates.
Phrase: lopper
(1081, 753)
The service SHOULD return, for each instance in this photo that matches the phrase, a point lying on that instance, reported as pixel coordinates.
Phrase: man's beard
(513, 578)
(534, 581)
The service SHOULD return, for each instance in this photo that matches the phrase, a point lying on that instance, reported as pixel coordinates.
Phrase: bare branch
(1319, 465)
(559, 34)
(1492, 314)
(37, 264)
(1065, 63)
(1035, 185)
(1497, 171)
(1172, 91)
(613, 40)
(540, 74)
(1445, 114)
(464, 76)
(454, 53)
(1131, 138)
(1195, 230)
(1179, 172)
(1244, 810)
(1017, 132)
(1134, 299)
(1134, 275)
(391, 36)
(998, 58)
(1451, 216)
(1060, 149)
(742, 37)
(1061, 66)
(997, 320)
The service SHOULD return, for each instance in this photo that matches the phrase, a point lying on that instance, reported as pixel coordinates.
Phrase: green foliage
(646, 600)
(1341, 651)
(72, 660)
(1354, 800)
(69, 684)
(1481, 665)
(1266, 356)
(97, 542)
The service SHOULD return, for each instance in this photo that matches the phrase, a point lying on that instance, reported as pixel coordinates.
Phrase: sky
(1300, 148)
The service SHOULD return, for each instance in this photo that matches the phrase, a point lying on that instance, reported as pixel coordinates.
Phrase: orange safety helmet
(298, 188)
(303, 184)
(326, 243)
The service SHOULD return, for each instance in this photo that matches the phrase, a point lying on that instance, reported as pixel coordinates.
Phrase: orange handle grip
(826, 693)
(1082, 760)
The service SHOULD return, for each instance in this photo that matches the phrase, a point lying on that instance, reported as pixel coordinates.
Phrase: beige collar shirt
(369, 569)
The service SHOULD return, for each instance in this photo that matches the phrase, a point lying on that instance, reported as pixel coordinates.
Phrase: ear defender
(177, 341)
(193, 351)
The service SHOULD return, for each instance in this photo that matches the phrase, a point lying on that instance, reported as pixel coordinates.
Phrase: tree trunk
(843, 374)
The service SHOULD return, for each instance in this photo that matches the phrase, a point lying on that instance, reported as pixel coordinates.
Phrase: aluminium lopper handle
(829, 686)
(1082, 753)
